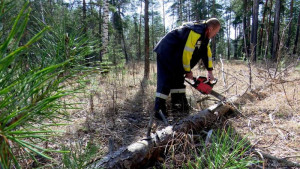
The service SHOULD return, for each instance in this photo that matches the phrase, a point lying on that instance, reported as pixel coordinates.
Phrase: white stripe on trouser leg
(177, 91)
(162, 96)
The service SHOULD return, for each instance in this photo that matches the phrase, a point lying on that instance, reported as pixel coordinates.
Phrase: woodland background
(57, 56)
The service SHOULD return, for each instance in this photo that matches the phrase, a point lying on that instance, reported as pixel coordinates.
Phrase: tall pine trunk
(254, 30)
(100, 28)
(122, 35)
(84, 16)
(245, 29)
(297, 35)
(180, 12)
(260, 43)
(84, 24)
(213, 41)
(276, 30)
(290, 25)
(147, 64)
(235, 42)
(104, 29)
(152, 29)
(204, 10)
(248, 10)
(135, 40)
(228, 35)
(140, 34)
(268, 31)
(197, 10)
(164, 16)
(125, 46)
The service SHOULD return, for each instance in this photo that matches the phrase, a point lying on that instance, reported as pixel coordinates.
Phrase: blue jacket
(183, 47)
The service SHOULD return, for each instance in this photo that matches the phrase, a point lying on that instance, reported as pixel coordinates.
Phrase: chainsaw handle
(213, 82)
(202, 79)
(194, 79)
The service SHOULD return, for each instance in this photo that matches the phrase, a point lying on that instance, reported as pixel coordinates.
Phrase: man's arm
(210, 75)
(208, 63)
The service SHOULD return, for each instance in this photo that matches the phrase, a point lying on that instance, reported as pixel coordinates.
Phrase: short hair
(213, 22)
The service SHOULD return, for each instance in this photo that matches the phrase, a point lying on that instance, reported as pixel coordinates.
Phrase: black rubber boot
(179, 102)
(160, 104)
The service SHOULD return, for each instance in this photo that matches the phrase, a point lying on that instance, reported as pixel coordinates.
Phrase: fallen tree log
(141, 152)
(284, 161)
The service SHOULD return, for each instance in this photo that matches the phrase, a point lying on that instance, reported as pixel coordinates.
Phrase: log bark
(281, 160)
(141, 152)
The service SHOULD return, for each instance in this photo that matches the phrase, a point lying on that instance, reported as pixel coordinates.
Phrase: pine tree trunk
(204, 9)
(268, 32)
(245, 29)
(297, 35)
(197, 10)
(260, 44)
(189, 9)
(290, 25)
(125, 47)
(248, 27)
(235, 42)
(180, 12)
(147, 64)
(228, 35)
(152, 30)
(122, 35)
(87, 58)
(104, 29)
(213, 41)
(276, 30)
(164, 16)
(254, 30)
(100, 28)
(140, 34)
(84, 16)
(135, 40)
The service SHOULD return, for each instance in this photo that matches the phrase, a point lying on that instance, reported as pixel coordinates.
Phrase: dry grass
(116, 107)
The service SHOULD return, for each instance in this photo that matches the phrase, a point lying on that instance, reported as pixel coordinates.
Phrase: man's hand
(189, 75)
(210, 75)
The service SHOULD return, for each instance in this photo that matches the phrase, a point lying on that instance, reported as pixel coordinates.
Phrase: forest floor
(116, 108)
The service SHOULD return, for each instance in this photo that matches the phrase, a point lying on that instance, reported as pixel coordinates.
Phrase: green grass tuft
(225, 150)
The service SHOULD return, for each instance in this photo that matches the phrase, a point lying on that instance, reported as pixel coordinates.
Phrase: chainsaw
(204, 86)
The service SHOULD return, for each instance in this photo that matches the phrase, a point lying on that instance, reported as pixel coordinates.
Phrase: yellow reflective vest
(185, 46)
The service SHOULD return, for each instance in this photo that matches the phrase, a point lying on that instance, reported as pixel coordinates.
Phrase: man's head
(213, 27)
